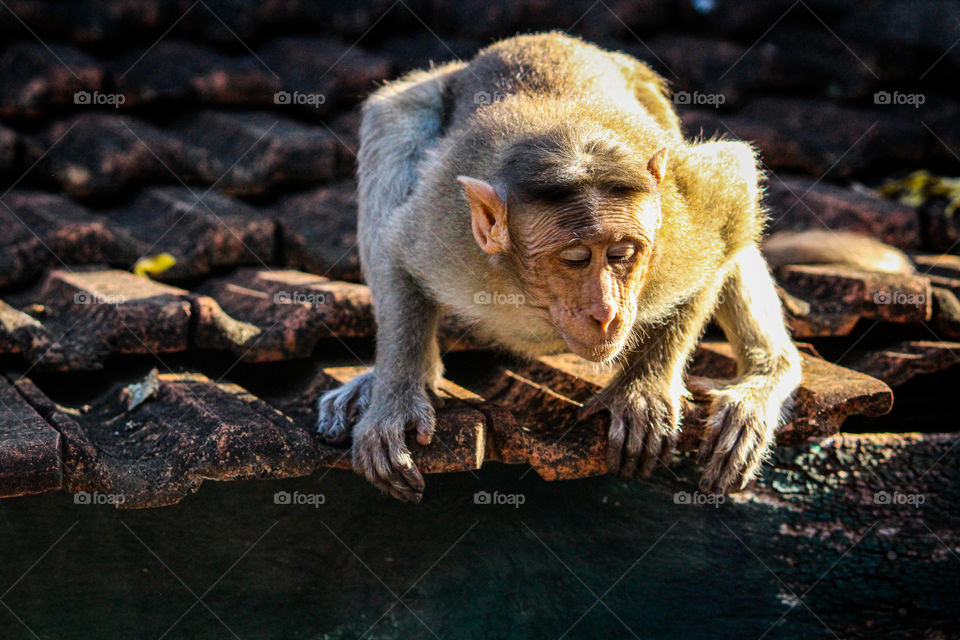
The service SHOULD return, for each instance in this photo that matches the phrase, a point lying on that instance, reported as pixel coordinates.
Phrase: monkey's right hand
(644, 425)
(379, 451)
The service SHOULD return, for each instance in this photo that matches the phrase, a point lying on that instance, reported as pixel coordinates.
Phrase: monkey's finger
(323, 412)
(637, 439)
(755, 459)
(715, 426)
(398, 483)
(387, 487)
(652, 452)
(668, 450)
(735, 466)
(730, 433)
(615, 441)
(425, 430)
(405, 472)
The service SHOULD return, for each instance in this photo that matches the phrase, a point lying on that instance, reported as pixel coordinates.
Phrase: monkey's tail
(835, 247)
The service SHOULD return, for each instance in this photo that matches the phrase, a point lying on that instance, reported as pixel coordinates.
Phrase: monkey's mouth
(595, 351)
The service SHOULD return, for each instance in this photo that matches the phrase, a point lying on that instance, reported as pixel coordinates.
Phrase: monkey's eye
(621, 251)
(577, 256)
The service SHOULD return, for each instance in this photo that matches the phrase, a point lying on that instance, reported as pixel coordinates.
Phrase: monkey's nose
(603, 315)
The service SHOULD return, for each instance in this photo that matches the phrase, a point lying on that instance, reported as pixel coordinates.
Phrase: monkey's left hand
(644, 424)
(742, 422)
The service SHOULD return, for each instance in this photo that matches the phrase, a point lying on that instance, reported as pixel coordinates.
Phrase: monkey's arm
(745, 415)
(401, 122)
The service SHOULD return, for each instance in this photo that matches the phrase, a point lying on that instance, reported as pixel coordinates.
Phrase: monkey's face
(589, 278)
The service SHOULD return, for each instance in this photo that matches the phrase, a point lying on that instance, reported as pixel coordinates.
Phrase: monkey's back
(567, 68)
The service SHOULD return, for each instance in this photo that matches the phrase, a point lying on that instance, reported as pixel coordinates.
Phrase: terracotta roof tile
(46, 230)
(251, 153)
(319, 231)
(203, 230)
(35, 79)
(801, 203)
(87, 316)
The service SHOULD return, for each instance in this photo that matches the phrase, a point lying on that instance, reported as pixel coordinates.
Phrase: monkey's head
(576, 226)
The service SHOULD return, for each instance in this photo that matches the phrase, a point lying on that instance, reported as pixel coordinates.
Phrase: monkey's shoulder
(720, 183)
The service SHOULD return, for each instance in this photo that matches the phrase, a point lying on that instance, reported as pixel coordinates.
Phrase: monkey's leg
(407, 365)
(401, 122)
(646, 398)
(744, 416)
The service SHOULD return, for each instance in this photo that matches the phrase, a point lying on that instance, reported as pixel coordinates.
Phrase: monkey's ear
(658, 164)
(488, 213)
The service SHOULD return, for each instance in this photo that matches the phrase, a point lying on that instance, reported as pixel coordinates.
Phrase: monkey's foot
(379, 451)
(644, 426)
(740, 431)
(341, 408)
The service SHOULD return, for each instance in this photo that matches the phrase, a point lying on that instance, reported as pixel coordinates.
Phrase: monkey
(556, 170)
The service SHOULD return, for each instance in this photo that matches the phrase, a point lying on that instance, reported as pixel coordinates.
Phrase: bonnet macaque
(552, 169)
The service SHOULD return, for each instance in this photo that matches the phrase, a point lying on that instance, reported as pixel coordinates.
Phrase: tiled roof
(211, 151)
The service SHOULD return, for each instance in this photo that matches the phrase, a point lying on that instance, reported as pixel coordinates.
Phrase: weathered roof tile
(87, 316)
(263, 315)
(203, 230)
(189, 430)
(44, 230)
(833, 298)
(36, 78)
(29, 447)
(899, 363)
(177, 71)
(319, 231)
(847, 142)
(321, 74)
(98, 155)
(250, 153)
(800, 203)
